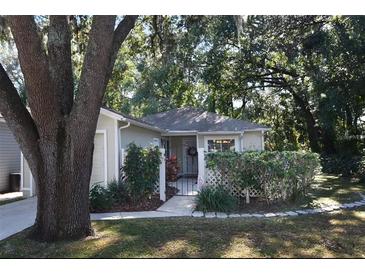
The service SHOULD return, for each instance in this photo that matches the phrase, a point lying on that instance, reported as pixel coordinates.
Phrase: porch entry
(186, 182)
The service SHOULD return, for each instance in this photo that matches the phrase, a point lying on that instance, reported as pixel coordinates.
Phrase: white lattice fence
(215, 178)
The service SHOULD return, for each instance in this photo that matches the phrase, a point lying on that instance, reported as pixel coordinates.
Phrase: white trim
(162, 176)
(103, 131)
(30, 184)
(218, 137)
(241, 141)
(179, 132)
(21, 171)
(111, 114)
(116, 152)
(231, 132)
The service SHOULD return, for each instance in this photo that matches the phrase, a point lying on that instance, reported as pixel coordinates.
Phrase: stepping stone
(310, 211)
(281, 214)
(291, 213)
(235, 215)
(210, 215)
(351, 205)
(257, 215)
(302, 212)
(198, 214)
(318, 210)
(246, 215)
(328, 208)
(335, 207)
(269, 215)
(221, 215)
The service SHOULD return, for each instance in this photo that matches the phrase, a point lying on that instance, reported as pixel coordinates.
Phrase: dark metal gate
(187, 183)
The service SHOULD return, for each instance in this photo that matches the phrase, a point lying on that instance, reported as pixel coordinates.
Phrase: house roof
(192, 119)
(129, 119)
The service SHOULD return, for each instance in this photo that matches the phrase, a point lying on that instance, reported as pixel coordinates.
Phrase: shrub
(280, 175)
(141, 171)
(100, 198)
(118, 191)
(343, 164)
(217, 199)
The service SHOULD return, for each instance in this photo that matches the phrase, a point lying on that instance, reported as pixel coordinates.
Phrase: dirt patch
(147, 204)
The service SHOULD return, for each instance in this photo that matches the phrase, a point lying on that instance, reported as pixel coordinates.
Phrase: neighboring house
(175, 130)
(9, 155)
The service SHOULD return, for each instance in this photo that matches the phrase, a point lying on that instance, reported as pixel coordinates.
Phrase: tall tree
(56, 136)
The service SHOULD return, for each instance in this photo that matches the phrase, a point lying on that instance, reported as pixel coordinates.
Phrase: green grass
(327, 189)
(11, 201)
(321, 236)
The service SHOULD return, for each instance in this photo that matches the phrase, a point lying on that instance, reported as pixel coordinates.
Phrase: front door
(189, 161)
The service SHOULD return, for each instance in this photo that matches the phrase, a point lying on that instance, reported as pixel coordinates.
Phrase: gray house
(9, 155)
(177, 131)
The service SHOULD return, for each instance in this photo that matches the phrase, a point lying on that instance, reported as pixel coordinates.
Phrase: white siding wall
(9, 156)
(252, 141)
(140, 136)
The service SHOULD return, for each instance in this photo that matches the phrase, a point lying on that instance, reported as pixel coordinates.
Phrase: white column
(241, 141)
(21, 172)
(162, 176)
(122, 157)
(201, 168)
(116, 146)
(262, 140)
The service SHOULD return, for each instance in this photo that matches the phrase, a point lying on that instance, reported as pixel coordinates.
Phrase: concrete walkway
(17, 216)
(183, 204)
(177, 206)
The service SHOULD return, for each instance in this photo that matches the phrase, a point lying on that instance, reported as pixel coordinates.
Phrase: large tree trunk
(57, 138)
(63, 188)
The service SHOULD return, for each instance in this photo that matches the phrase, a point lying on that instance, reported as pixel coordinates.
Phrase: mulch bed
(143, 205)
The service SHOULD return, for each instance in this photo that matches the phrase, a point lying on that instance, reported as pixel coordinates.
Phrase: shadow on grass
(338, 235)
(326, 235)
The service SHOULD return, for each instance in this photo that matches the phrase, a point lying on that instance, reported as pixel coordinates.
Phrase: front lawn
(338, 234)
(327, 189)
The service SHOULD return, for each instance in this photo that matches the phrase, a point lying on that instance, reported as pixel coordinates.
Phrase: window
(221, 145)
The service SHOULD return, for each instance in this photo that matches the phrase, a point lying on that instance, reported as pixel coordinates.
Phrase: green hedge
(281, 175)
(141, 170)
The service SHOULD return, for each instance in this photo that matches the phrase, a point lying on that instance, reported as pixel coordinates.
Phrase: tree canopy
(301, 75)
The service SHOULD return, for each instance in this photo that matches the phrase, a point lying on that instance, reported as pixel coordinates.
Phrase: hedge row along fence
(273, 175)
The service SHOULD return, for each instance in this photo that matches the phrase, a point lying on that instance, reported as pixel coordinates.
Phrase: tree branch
(93, 79)
(34, 65)
(17, 117)
(60, 67)
(120, 34)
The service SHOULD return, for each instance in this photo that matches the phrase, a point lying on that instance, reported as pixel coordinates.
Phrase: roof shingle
(191, 119)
